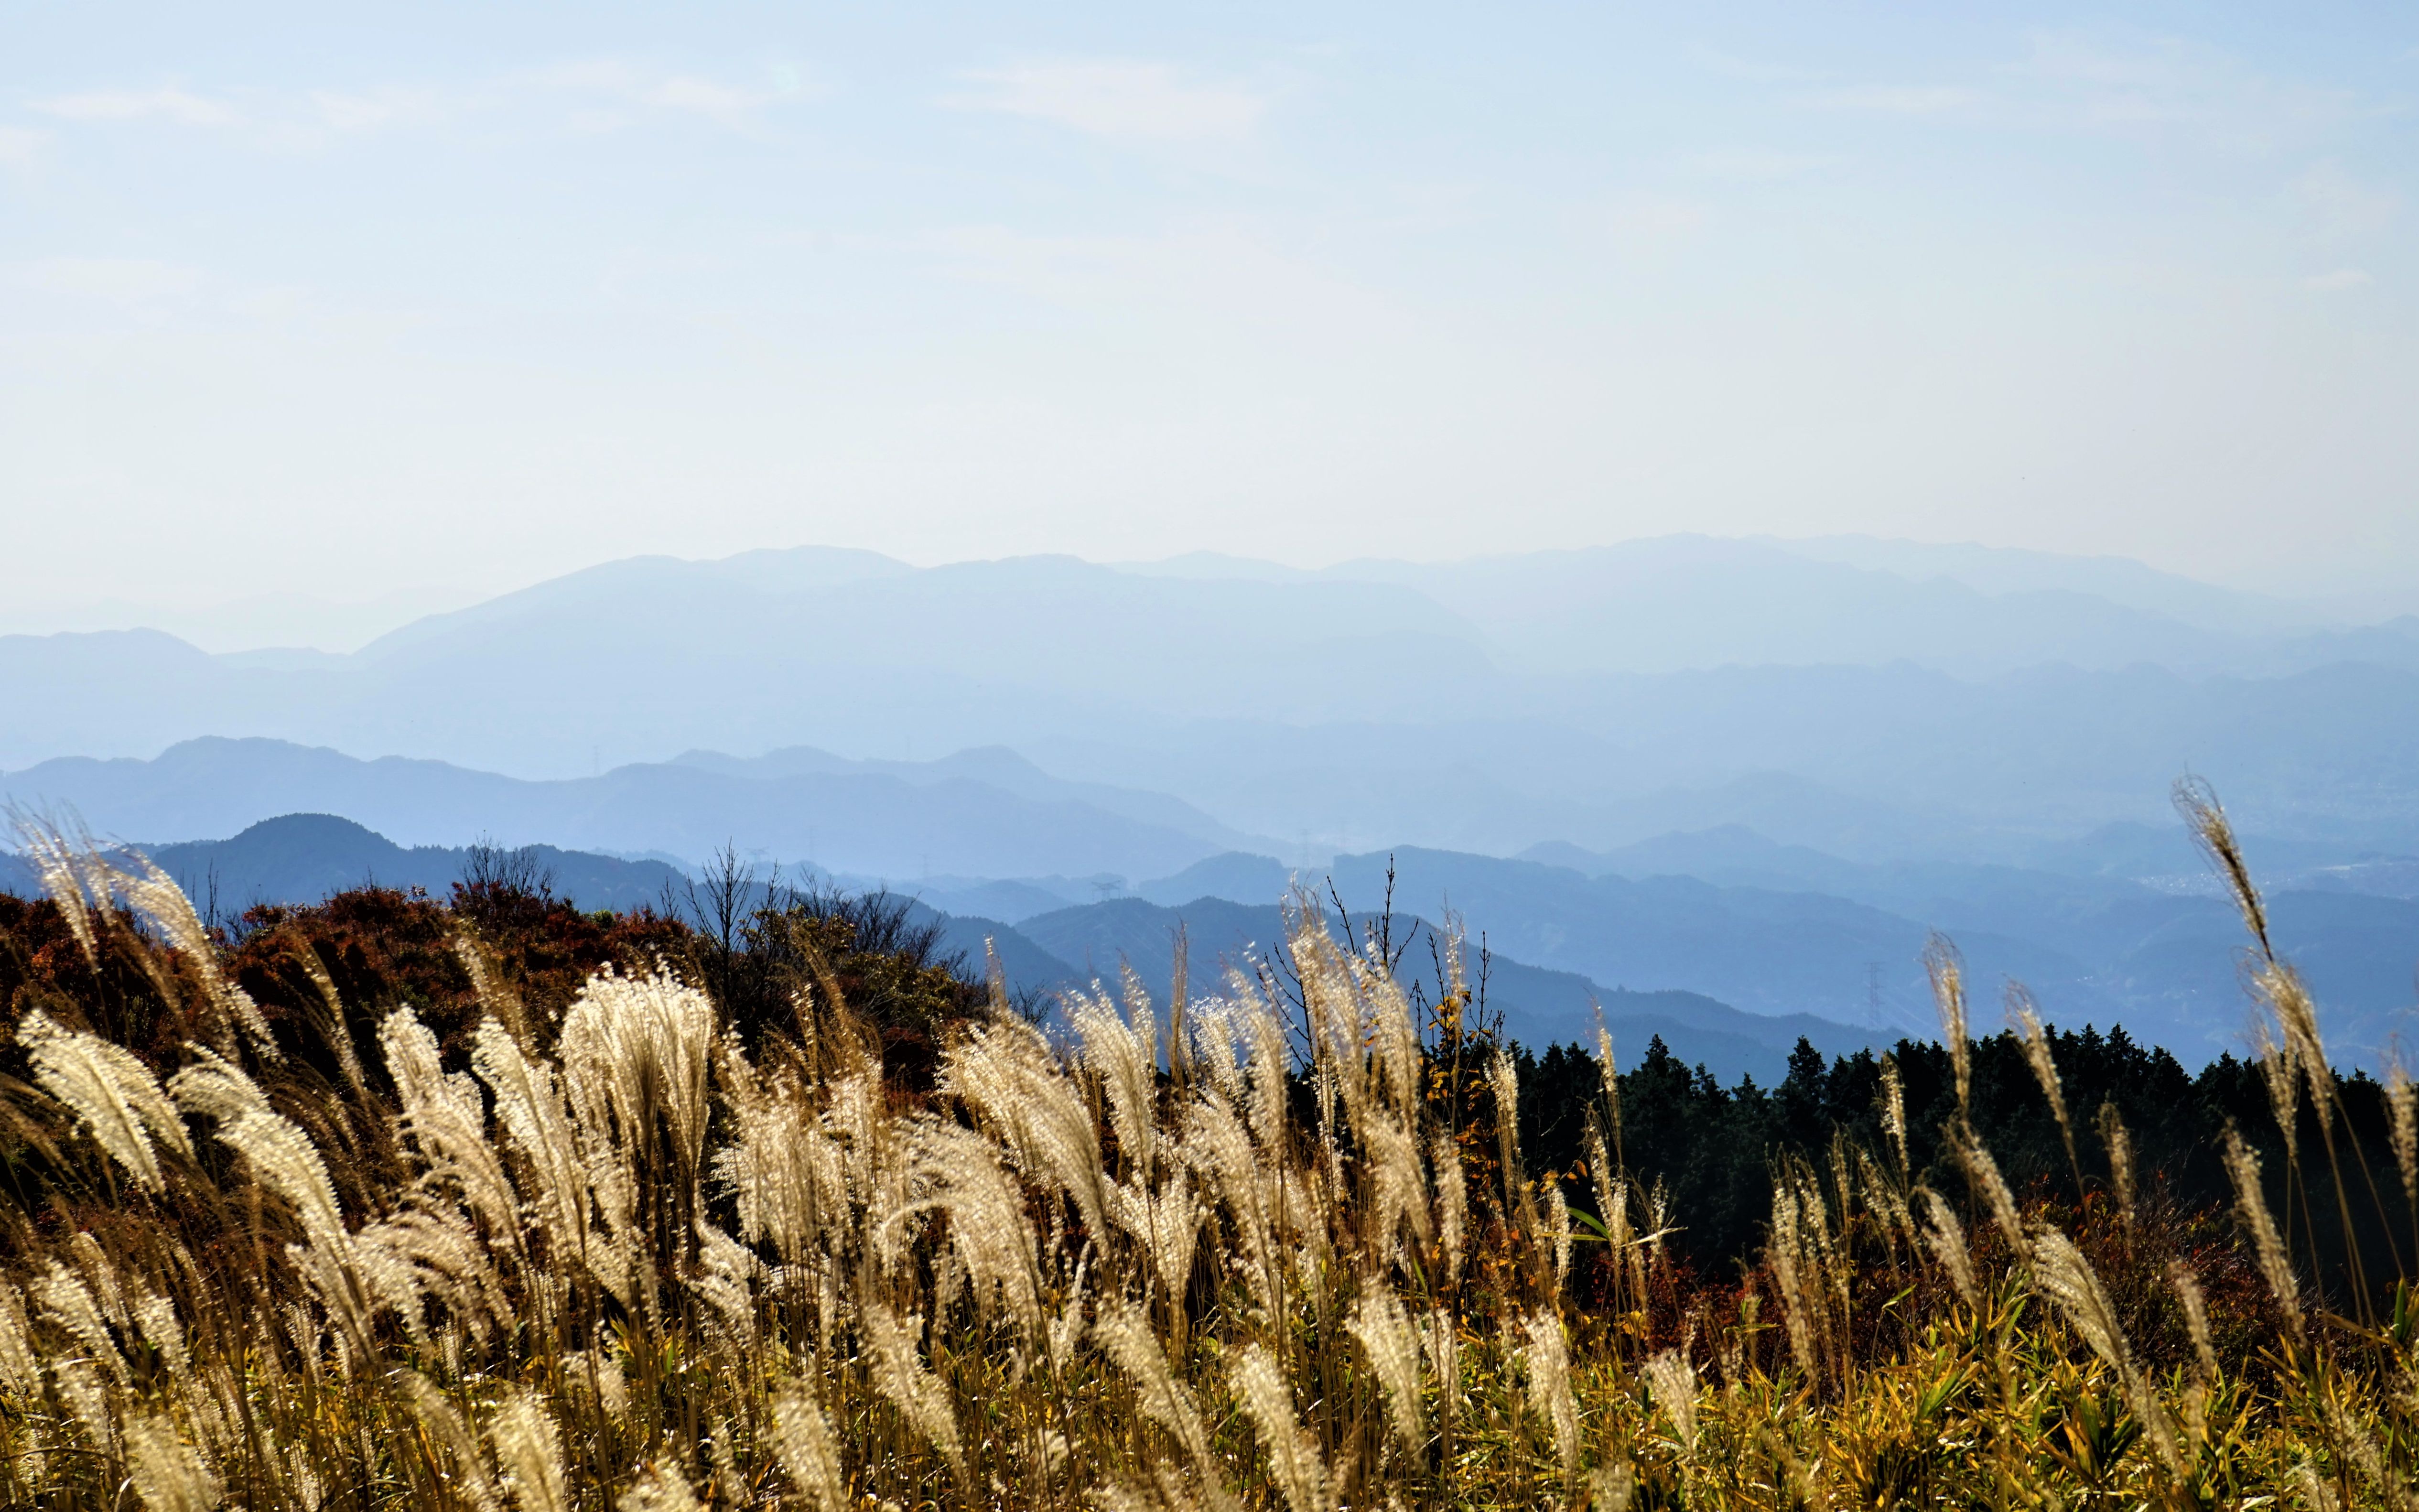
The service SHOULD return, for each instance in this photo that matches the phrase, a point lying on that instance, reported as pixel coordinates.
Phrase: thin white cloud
(1753, 71)
(721, 103)
(2131, 82)
(174, 104)
(21, 147)
(2342, 278)
(2342, 206)
(1749, 164)
(376, 109)
(1895, 98)
(624, 86)
(1118, 98)
(111, 280)
(1651, 225)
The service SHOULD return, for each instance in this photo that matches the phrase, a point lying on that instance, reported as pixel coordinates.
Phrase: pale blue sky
(461, 297)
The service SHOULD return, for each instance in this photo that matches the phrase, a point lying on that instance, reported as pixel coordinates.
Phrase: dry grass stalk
(1052, 1280)
(2251, 1202)
(1894, 1112)
(1945, 969)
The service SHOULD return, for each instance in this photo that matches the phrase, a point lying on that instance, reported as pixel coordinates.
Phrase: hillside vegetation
(490, 1203)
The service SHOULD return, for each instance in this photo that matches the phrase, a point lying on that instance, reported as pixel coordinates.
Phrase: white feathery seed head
(1547, 1361)
(1946, 970)
(2251, 1202)
(1946, 1237)
(922, 1398)
(1673, 1381)
(1392, 1347)
(111, 1092)
(166, 1473)
(530, 1452)
(802, 1439)
(1294, 1460)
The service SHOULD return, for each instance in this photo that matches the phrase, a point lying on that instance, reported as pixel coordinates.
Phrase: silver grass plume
(1548, 1361)
(898, 1374)
(1947, 971)
(113, 1094)
(647, 1044)
(2275, 1059)
(2359, 1445)
(785, 1170)
(1782, 1255)
(1452, 1202)
(500, 1002)
(87, 1397)
(1213, 1049)
(68, 1301)
(530, 1108)
(2242, 1166)
(802, 1439)
(1609, 1073)
(2067, 1280)
(1674, 1382)
(722, 1279)
(1271, 1063)
(2196, 1307)
(1125, 1058)
(660, 1487)
(1390, 1160)
(446, 1429)
(1894, 1111)
(156, 1319)
(1883, 1195)
(1946, 1237)
(2119, 1143)
(2402, 1106)
(2315, 1492)
(1125, 1336)
(281, 1156)
(21, 1368)
(2045, 1065)
(1984, 1171)
(337, 1033)
(61, 867)
(1393, 1346)
(1215, 1143)
(1612, 1490)
(2281, 988)
(958, 1170)
(1441, 1343)
(1505, 1083)
(1558, 1231)
(1294, 1462)
(156, 895)
(1600, 1171)
(530, 1452)
(1004, 1072)
(445, 1115)
(167, 1474)
(2213, 833)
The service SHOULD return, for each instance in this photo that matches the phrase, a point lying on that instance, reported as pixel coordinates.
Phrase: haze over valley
(1763, 772)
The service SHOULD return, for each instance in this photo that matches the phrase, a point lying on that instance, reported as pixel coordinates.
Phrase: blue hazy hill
(302, 857)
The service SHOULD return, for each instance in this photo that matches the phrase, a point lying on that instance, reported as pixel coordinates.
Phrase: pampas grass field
(1275, 1245)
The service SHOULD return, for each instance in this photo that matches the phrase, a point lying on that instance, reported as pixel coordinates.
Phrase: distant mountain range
(1637, 932)
(979, 812)
(1865, 698)
(302, 859)
(1760, 771)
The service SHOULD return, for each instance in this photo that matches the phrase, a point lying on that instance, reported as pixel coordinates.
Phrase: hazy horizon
(288, 620)
(419, 309)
